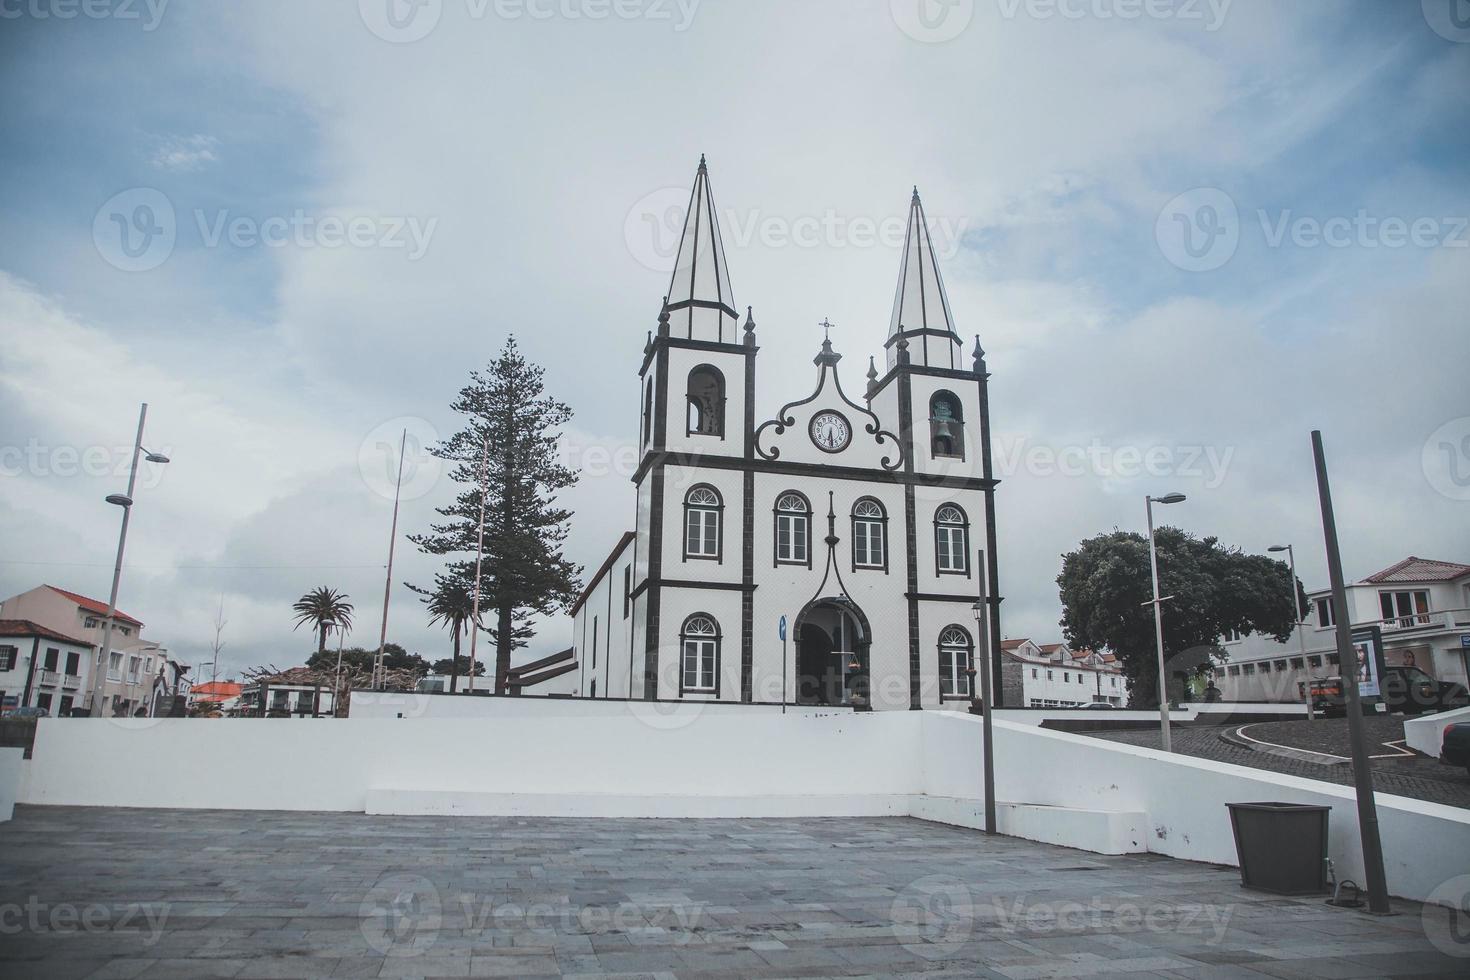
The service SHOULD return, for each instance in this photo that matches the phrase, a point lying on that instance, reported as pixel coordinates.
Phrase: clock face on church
(830, 431)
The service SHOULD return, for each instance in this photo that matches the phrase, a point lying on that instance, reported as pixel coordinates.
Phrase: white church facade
(857, 510)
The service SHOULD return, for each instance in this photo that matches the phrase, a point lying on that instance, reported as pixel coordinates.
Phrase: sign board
(1465, 639)
(782, 628)
(1368, 647)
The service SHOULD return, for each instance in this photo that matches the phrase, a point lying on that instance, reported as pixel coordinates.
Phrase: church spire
(700, 301)
(920, 306)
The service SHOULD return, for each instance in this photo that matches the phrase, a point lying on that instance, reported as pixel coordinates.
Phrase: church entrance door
(832, 640)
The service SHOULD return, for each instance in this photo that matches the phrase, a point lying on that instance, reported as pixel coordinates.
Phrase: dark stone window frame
(719, 511)
(957, 423)
(968, 647)
(776, 513)
(964, 525)
(718, 637)
(882, 521)
(719, 421)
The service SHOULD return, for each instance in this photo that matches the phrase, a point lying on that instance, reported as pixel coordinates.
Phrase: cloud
(182, 154)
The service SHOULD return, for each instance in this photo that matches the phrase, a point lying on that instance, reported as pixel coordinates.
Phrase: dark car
(1455, 750)
(1411, 691)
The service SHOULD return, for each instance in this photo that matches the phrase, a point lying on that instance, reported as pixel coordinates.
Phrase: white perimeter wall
(1426, 733)
(570, 757)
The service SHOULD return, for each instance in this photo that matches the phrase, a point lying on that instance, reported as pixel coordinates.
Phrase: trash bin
(1282, 847)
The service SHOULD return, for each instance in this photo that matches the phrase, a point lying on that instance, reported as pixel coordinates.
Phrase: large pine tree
(523, 571)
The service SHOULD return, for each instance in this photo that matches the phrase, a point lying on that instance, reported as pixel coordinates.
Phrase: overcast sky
(1187, 234)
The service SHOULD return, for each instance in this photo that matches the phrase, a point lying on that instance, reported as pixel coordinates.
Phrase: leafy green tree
(523, 570)
(457, 667)
(1106, 594)
(358, 659)
(452, 603)
(326, 609)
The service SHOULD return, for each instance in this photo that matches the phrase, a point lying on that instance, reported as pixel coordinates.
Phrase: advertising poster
(1368, 650)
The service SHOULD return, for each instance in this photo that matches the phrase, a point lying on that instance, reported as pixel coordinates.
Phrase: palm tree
(452, 604)
(326, 609)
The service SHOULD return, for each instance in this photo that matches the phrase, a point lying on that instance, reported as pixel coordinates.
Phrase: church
(822, 554)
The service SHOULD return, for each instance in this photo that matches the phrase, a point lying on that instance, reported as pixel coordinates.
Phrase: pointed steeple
(700, 300)
(920, 306)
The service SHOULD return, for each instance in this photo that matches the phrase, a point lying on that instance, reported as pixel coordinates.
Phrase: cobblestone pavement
(1415, 777)
(168, 893)
(1331, 734)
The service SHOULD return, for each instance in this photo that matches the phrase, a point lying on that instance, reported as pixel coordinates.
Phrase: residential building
(297, 692)
(42, 667)
(853, 513)
(1421, 605)
(124, 686)
(1052, 675)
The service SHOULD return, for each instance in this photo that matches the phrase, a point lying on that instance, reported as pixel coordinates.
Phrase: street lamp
(1153, 565)
(1296, 617)
(125, 501)
(982, 649)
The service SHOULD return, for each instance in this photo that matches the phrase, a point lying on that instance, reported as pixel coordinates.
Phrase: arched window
(699, 640)
(793, 530)
(869, 535)
(648, 412)
(951, 541)
(706, 394)
(946, 426)
(956, 655)
(702, 511)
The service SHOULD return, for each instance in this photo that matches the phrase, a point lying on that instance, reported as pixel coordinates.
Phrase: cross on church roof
(826, 326)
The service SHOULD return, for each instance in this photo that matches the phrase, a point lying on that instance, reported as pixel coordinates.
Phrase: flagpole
(479, 552)
(388, 583)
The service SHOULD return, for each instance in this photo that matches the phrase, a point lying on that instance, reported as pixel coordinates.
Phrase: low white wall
(388, 704)
(1426, 733)
(1194, 711)
(1423, 843)
(11, 762)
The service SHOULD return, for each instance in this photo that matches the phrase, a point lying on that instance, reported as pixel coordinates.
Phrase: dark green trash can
(1282, 846)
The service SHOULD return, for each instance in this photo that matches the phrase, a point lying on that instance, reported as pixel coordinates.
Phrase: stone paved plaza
(171, 893)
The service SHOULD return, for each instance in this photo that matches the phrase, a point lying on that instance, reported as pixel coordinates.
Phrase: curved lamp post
(1153, 565)
(1296, 617)
(125, 501)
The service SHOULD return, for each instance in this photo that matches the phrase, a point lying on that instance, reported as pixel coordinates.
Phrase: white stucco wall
(1426, 733)
(11, 763)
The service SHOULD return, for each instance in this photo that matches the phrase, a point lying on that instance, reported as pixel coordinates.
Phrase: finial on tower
(872, 375)
(702, 167)
(903, 349)
(749, 327)
(663, 319)
(827, 355)
(979, 356)
(916, 195)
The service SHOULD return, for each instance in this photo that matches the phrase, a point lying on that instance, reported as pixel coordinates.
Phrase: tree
(456, 666)
(326, 609)
(523, 571)
(358, 660)
(452, 603)
(1107, 595)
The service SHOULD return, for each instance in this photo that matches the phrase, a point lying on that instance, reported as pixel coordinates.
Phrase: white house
(853, 512)
(42, 667)
(1422, 606)
(1052, 675)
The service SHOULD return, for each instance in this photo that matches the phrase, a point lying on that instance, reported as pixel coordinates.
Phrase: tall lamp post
(125, 501)
(982, 647)
(1296, 615)
(1153, 566)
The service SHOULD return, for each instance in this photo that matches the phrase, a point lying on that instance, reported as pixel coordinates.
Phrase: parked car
(27, 712)
(1455, 749)
(1411, 691)
(1099, 706)
(1327, 696)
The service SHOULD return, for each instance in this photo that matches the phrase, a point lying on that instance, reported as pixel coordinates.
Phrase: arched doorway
(832, 640)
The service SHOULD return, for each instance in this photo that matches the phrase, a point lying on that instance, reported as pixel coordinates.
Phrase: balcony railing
(71, 682)
(46, 678)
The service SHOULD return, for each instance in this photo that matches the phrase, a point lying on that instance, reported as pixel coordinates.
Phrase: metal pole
(1153, 565)
(783, 672)
(122, 540)
(1301, 629)
(982, 643)
(479, 558)
(388, 583)
(337, 680)
(1348, 660)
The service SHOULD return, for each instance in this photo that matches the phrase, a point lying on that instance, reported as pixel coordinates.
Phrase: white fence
(579, 760)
